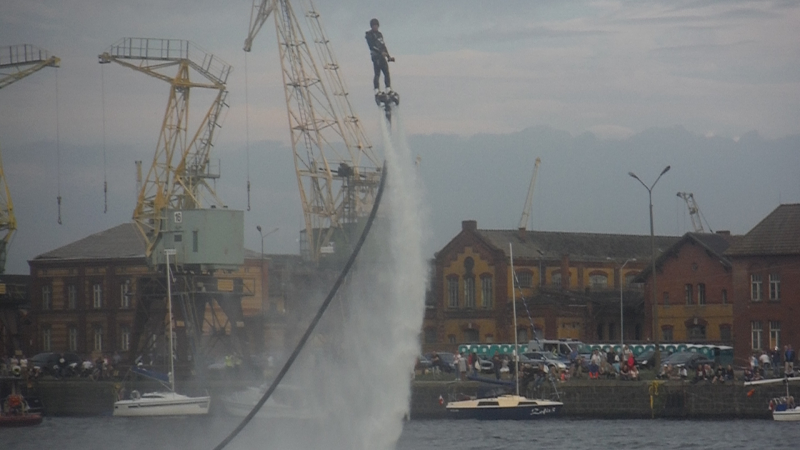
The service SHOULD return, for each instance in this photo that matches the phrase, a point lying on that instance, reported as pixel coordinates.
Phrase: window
(451, 338)
(124, 295)
(486, 292)
(600, 331)
(755, 335)
(124, 339)
(469, 292)
(47, 298)
(430, 335)
(72, 296)
(98, 339)
(666, 298)
(522, 335)
(72, 335)
(701, 294)
(47, 336)
(472, 336)
(489, 338)
(724, 296)
(555, 279)
(612, 331)
(755, 288)
(629, 279)
(725, 334)
(774, 286)
(774, 334)
(97, 295)
(688, 294)
(524, 279)
(696, 333)
(195, 241)
(452, 292)
(666, 334)
(598, 280)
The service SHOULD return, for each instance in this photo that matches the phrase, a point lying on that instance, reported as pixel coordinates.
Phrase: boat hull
(167, 405)
(25, 420)
(789, 415)
(504, 408)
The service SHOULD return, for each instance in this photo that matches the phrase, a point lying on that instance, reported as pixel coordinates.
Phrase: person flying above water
(380, 57)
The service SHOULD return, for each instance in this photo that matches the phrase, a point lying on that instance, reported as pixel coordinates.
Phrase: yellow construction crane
(16, 63)
(526, 211)
(337, 170)
(694, 212)
(178, 177)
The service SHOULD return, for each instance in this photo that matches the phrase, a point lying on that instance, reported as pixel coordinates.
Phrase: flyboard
(386, 101)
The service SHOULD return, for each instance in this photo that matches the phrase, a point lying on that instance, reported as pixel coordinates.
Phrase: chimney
(724, 232)
(469, 225)
(522, 233)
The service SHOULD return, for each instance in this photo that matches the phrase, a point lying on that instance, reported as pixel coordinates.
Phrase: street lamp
(657, 355)
(621, 316)
(258, 227)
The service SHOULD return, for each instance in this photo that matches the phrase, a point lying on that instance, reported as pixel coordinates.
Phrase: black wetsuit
(377, 49)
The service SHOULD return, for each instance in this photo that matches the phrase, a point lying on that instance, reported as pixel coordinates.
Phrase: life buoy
(135, 395)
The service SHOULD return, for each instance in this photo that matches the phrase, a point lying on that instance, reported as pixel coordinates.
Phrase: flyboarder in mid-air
(380, 63)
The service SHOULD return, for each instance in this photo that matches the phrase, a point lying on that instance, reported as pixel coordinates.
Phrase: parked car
(48, 363)
(646, 359)
(447, 361)
(547, 358)
(422, 364)
(690, 360)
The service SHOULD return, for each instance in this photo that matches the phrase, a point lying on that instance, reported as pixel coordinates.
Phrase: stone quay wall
(598, 399)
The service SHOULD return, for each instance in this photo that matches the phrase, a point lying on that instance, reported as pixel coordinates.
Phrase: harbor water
(197, 433)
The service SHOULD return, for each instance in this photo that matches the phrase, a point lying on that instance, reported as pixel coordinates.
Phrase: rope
(247, 129)
(315, 321)
(58, 156)
(103, 101)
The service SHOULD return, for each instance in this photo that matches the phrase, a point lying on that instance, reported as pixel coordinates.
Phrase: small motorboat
(15, 410)
(783, 408)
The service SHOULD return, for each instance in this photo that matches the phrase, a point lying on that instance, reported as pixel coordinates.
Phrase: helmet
(374, 22)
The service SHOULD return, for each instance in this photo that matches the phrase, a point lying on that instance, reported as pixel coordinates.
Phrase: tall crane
(526, 211)
(179, 174)
(337, 170)
(694, 212)
(16, 63)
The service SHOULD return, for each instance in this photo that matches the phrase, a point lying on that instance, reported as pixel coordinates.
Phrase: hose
(315, 321)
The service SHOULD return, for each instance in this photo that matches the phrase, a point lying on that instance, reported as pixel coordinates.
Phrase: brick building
(766, 283)
(695, 285)
(569, 286)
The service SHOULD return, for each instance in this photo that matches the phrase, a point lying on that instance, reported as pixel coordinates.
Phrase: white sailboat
(162, 403)
(784, 409)
(506, 407)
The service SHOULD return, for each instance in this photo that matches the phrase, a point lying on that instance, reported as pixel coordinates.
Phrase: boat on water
(15, 411)
(784, 409)
(165, 402)
(505, 406)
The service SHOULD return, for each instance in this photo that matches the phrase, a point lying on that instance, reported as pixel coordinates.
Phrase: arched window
(598, 280)
(486, 291)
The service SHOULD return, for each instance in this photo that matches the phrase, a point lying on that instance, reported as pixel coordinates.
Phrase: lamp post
(657, 355)
(263, 235)
(621, 316)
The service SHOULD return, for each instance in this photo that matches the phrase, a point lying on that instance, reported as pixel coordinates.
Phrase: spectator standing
(462, 367)
(764, 362)
(776, 361)
(789, 359)
(497, 365)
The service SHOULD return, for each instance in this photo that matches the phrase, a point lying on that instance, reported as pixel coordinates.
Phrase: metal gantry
(16, 63)
(337, 169)
(694, 212)
(178, 177)
(526, 211)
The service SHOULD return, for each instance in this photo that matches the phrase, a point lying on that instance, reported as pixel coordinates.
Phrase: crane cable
(58, 156)
(103, 101)
(247, 130)
(311, 326)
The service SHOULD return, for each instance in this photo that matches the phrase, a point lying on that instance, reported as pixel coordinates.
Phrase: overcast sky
(476, 73)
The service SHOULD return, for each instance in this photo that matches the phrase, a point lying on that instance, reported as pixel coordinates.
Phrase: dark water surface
(201, 433)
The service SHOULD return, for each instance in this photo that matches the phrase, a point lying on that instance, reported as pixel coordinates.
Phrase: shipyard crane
(337, 170)
(694, 212)
(179, 174)
(16, 63)
(526, 211)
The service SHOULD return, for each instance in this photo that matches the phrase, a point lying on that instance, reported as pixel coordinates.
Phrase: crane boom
(16, 63)
(178, 176)
(694, 212)
(526, 211)
(337, 182)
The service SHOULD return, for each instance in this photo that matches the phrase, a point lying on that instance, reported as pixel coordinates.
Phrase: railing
(15, 55)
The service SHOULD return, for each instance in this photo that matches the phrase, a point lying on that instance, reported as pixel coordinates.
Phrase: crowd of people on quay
(59, 365)
(610, 364)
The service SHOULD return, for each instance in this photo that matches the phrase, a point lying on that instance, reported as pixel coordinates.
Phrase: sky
(595, 88)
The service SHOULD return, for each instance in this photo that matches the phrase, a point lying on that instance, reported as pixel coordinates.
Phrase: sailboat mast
(168, 252)
(514, 301)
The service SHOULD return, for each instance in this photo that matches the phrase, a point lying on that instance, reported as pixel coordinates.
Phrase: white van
(562, 347)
